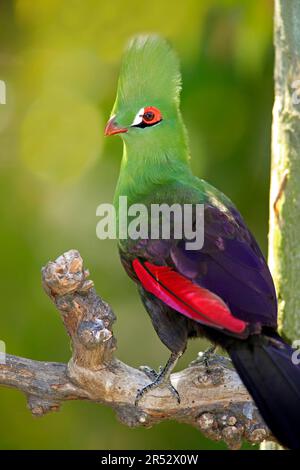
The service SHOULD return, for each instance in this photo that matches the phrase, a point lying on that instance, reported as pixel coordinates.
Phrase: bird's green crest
(149, 73)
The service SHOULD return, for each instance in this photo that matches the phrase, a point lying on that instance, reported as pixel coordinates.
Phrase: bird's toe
(151, 373)
(157, 383)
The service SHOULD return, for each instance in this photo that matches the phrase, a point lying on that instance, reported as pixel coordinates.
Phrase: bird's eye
(149, 116)
(146, 117)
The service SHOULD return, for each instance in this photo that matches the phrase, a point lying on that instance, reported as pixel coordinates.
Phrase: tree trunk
(284, 234)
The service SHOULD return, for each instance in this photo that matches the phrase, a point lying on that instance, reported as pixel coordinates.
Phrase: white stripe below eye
(139, 117)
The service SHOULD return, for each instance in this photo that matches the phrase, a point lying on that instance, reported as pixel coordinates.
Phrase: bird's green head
(146, 111)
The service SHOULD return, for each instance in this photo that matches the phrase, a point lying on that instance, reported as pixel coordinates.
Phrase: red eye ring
(151, 115)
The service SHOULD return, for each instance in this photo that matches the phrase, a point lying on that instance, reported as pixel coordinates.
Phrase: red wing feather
(188, 298)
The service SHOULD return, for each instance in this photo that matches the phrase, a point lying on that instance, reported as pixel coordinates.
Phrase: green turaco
(222, 290)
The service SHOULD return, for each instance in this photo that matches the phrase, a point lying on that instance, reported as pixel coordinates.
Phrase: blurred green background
(60, 61)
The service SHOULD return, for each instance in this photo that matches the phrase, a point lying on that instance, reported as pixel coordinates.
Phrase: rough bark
(284, 247)
(284, 231)
(214, 401)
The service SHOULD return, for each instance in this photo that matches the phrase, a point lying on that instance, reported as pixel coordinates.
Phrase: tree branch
(215, 402)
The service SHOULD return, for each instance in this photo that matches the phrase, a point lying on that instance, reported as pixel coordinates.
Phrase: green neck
(144, 166)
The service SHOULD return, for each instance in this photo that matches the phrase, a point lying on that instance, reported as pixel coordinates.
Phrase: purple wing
(231, 265)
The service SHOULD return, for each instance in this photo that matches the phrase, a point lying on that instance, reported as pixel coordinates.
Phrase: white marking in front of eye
(139, 117)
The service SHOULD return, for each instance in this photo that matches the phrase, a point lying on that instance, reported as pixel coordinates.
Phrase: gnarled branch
(215, 402)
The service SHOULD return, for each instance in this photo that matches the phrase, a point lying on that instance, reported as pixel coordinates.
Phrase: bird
(223, 290)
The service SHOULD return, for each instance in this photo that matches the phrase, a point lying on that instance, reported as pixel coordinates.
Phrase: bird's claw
(141, 393)
(158, 380)
(206, 358)
(151, 373)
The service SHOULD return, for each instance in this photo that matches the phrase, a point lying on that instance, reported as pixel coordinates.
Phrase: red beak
(113, 128)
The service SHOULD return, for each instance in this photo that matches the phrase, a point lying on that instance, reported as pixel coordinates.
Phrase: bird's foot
(151, 373)
(206, 358)
(159, 380)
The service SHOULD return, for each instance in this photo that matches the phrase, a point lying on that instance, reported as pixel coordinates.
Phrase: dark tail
(265, 365)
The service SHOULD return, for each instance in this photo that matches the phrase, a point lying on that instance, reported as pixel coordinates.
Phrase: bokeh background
(60, 61)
